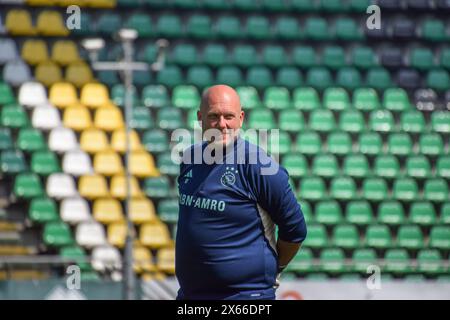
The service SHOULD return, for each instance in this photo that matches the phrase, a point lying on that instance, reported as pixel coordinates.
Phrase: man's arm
(286, 252)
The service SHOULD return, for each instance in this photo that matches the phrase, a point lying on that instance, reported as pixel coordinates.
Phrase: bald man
(228, 209)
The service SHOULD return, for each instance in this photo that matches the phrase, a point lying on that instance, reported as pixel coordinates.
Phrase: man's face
(222, 112)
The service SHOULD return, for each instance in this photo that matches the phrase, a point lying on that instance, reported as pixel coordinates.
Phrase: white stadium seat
(61, 185)
(62, 140)
(77, 163)
(46, 117)
(90, 234)
(106, 258)
(75, 210)
(32, 94)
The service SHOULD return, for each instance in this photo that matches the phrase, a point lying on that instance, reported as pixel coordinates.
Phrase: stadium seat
(48, 73)
(77, 118)
(78, 255)
(316, 28)
(333, 57)
(418, 167)
(65, 52)
(185, 97)
(440, 237)
(431, 144)
(8, 50)
(143, 260)
(154, 235)
(347, 29)
(45, 118)
(421, 58)
(412, 121)
(422, 213)
(157, 187)
(57, 234)
(30, 140)
(359, 212)
(108, 119)
(107, 258)
(445, 213)
(142, 210)
(27, 186)
(356, 166)
(142, 23)
(317, 237)
(430, 261)
(170, 76)
(391, 213)
(322, 120)
(229, 75)
(319, 78)
(19, 23)
(107, 163)
(259, 77)
(118, 187)
(435, 190)
(400, 144)
(443, 167)
(50, 23)
(438, 79)
(78, 73)
(94, 95)
(397, 261)
(336, 99)
(107, 211)
(433, 30)
(155, 141)
(44, 163)
(381, 121)
(276, 98)
(60, 185)
(142, 164)
(261, 119)
(343, 188)
(169, 119)
(43, 210)
(185, 55)
(345, 236)
(32, 94)
(93, 186)
(308, 142)
(386, 166)
(215, 54)
(286, 28)
(405, 189)
(14, 117)
(199, 26)
(328, 212)
(410, 237)
(155, 96)
(16, 73)
(168, 210)
(169, 25)
(325, 165)
(378, 236)
(63, 94)
(75, 210)
(90, 234)
(332, 260)
(291, 120)
(93, 140)
(339, 143)
(312, 188)
(351, 121)
(274, 56)
(118, 141)
(440, 121)
(12, 162)
(302, 262)
(62, 140)
(363, 258)
(165, 260)
(108, 23)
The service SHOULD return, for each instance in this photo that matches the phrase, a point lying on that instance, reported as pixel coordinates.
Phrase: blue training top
(225, 242)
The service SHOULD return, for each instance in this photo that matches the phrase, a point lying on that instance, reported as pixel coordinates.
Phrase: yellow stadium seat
(34, 51)
(63, 94)
(166, 260)
(93, 186)
(101, 3)
(142, 165)
(40, 2)
(118, 187)
(79, 73)
(118, 141)
(142, 210)
(65, 52)
(66, 3)
(94, 140)
(50, 23)
(107, 211)
(108, 163)
(48, 73)
(143, 260)
(18, 23)
(77, 118)
(117, 233)
(154, 235)
(94, 95)
(159, 276)
(108, 119)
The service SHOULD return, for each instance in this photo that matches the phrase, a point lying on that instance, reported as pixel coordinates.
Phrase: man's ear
(242, 117)
(199, 115)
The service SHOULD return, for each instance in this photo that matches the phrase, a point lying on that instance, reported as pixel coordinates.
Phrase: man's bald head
(220, 109)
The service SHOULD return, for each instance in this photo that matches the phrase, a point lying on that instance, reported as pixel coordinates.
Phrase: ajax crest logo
(228, 178)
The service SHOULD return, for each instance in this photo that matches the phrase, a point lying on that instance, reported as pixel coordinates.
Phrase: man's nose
(222, 123)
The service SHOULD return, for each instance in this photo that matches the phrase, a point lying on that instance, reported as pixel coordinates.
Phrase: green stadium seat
(434, 30)
(215, 55)
(405, 189)
(304, 5)
(27, 186)
(418, 167)
(307, 211)
(200, 76)
(431, 144)
(5, 139)
(43, 210)
(87, 26)
(192, 118)
(391, 213)
(289, 77)
(167, 166)
(397, 261)
(304, 57)
(184, 55)
(78, 255)
(422, 213)
(440, 237)
(275, 5)
(386, 166)
(277, 98)
(400, 144)
(155, 141)
(359, 5)
(366, 99)
(228, 27)
(6, 94)
(259, 77)
(363, 258)
(291, 120)
(410, 237)
(312, 188)
(110, 78)
(343, 188)
(169, 25)
(359, 212)
(328, 212)
(436, 190)
(333, 57)
(141, 119)
(155, 96)
(378, 78)
(317, 237)
(396, 100)
(438, 79)
(13, 116)
(421, 58)
(322, 120)
(230, 75)
(217, 4)
(287, 28)
(12, 162)
(246, 5)
(356, 166)
(349, 78)
(274, 56)
(109, 23)
(381, 121)
(199, 26)
(186, 4)
(443, 167)
(261, 119)
(339, 143)
(378, 236)
(317, 29)
(347, 29)
(30, 140)
(445, 213)
(185, 97)
(325, 165)
(351, 121)
(282, 146)
(363, 57)
(168, 210)
(319, 78)
(258, 27)
(295, 164)
(440, 121)
(332, 260)
(430, 261)
(302, 262)
(45, 163)
(57, 234)
(249, 97)
(370, 143)
(412, 121)
(336, 99)
(345, 236)
(170, 76)
(118, 95)
(374, 189)
(308, 142)
(306, 99)
(170, 118)
(445, 58)
(148, 53)
(142, 23)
